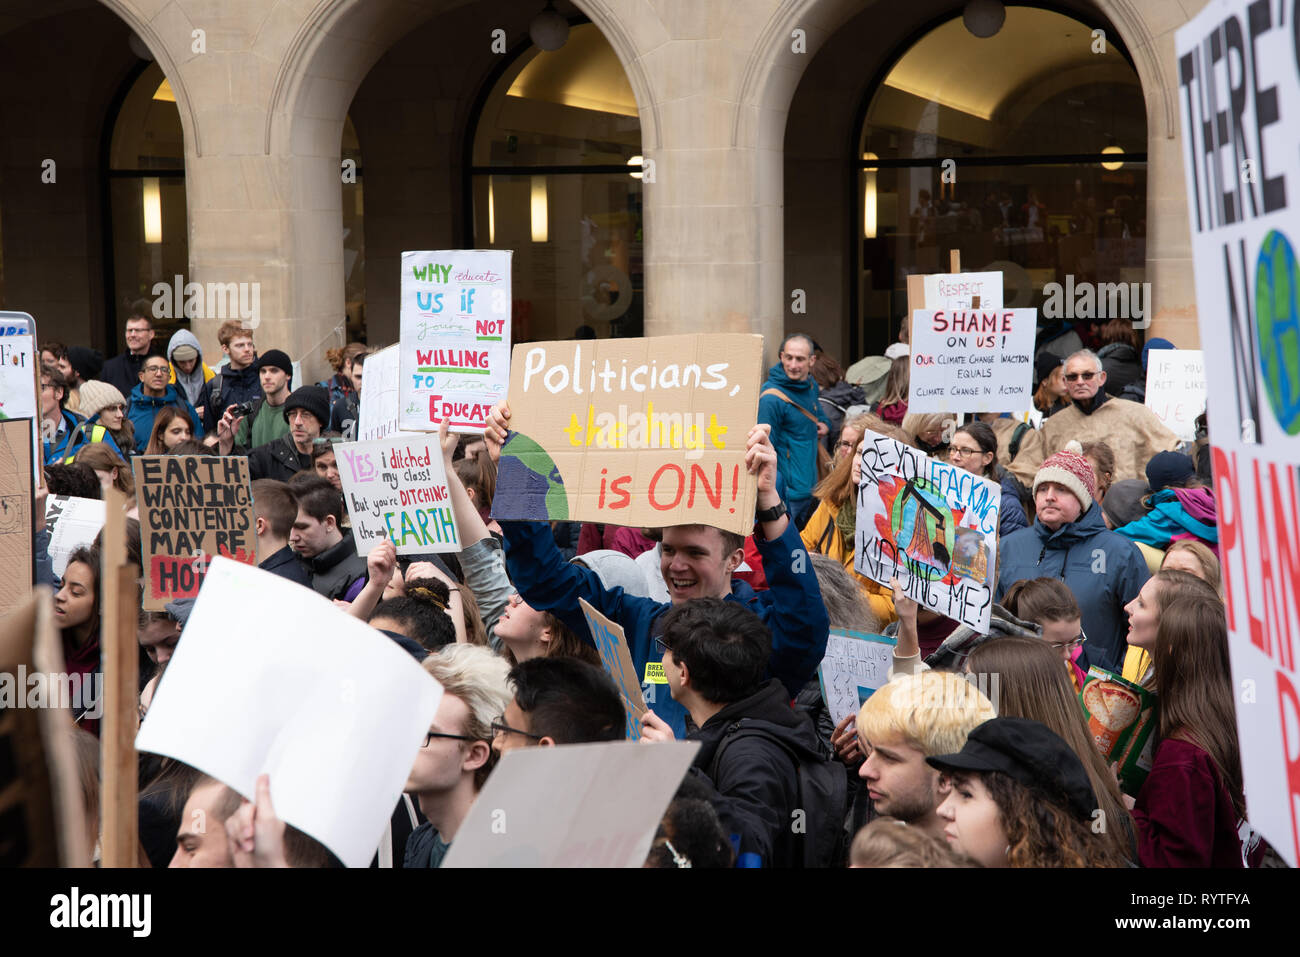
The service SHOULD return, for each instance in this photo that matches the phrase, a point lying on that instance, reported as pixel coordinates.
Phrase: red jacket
(1184, 813)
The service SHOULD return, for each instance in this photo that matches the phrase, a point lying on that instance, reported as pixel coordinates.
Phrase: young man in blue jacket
(151, 394)
(697, 562)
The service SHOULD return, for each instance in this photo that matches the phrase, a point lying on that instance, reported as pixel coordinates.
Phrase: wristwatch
(770, 514)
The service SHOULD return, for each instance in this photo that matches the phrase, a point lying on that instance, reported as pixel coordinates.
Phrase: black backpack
(822, 795)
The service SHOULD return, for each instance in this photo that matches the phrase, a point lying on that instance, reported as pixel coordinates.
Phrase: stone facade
(263, 108)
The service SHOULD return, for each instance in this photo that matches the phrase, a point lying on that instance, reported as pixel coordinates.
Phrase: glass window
(1046, 133)
(552, 179)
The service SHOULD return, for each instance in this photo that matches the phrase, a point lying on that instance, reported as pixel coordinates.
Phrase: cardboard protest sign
(72, 522)
(611, 643)
(192, 508)
(972, 361)
(40, 783)
(854, 666)
(1176, 388)
(932, 526)
(377, 417)
(1244, 248)
(17, 533)
(1121, 719)
(396, 488)
(19, 379)
(639, 432)
(455, 337)
(577, 805)
(963, 291)
(350, 728)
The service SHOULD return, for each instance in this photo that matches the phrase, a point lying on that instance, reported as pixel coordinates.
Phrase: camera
(241, 410)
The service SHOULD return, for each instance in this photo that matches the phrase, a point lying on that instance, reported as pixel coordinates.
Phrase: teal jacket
(794, 435)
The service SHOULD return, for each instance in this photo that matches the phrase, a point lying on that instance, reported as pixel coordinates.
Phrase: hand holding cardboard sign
(909, 642)
(760, 458)
(654, 729)
(498, 427)
(448, 443)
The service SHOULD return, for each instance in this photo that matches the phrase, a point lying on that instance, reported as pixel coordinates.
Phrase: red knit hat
(1070, 469)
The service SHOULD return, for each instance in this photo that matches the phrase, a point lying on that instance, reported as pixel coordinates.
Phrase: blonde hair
(476, 676)
(914, 423)
(932, 711)
(1212, 571)
(886, 842)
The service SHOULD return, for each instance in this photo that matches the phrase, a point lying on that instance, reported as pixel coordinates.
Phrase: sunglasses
(1074, 376)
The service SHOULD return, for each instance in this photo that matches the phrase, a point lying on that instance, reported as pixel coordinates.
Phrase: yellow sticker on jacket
(654, 673)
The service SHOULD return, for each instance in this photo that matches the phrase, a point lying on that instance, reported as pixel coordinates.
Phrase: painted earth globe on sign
(1277, 323)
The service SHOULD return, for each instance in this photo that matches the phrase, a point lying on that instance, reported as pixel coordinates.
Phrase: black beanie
(314, 399)
(87, 362)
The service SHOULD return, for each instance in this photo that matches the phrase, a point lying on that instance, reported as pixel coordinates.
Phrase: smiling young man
(911, 718)
(789, 404)
(697, 562)
(152, 393)
(1131, 429)
(1069, 540)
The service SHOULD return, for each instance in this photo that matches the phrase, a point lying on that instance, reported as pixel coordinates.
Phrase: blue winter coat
(1105, 571)
(1011, 513)
(794, 435)
(791, 607)
(144, 409)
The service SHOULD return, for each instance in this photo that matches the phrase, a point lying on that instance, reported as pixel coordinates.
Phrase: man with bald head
(788, 403)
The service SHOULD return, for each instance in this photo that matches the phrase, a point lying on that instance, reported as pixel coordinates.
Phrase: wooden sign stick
(121, 663)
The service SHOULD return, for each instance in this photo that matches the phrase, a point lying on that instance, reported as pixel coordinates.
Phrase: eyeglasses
(155, 370)
(430, 735)
(119, 407)
(661, 647)
(841, 444)
(1073, 376)
(499, 726)
(957, 452)
(1070, 645)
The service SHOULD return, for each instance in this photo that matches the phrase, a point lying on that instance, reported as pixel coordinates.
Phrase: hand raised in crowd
(760, 456)
(380, 563)
(254, 834)
(448, 440)
(42, 494)
(227, 427)
(844, 739)
(497, 428)
(654, 729)
(909, 642)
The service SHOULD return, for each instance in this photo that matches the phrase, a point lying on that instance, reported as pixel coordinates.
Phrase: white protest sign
(72, 522)
(331, 709)
(577, 805)
(972, 361)
(963, 291)
(377, 417)
(455, 337)
(18, 383)
(396, 488)
(931, 525)
(1244, 233)
(1176, 388)
(856, 664)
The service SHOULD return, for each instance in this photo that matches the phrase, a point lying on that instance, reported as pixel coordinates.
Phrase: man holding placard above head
(1092, 416)
(789, 405)
(697, 561)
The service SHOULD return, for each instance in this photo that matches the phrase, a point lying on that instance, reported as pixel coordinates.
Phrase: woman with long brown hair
(830, 528)
(171, 426)
(892, 406)
(1032, 684)
(1191, 811)
(1162, 590)
(109, 466)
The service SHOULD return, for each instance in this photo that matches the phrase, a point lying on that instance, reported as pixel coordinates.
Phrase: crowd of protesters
(1107, 558)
